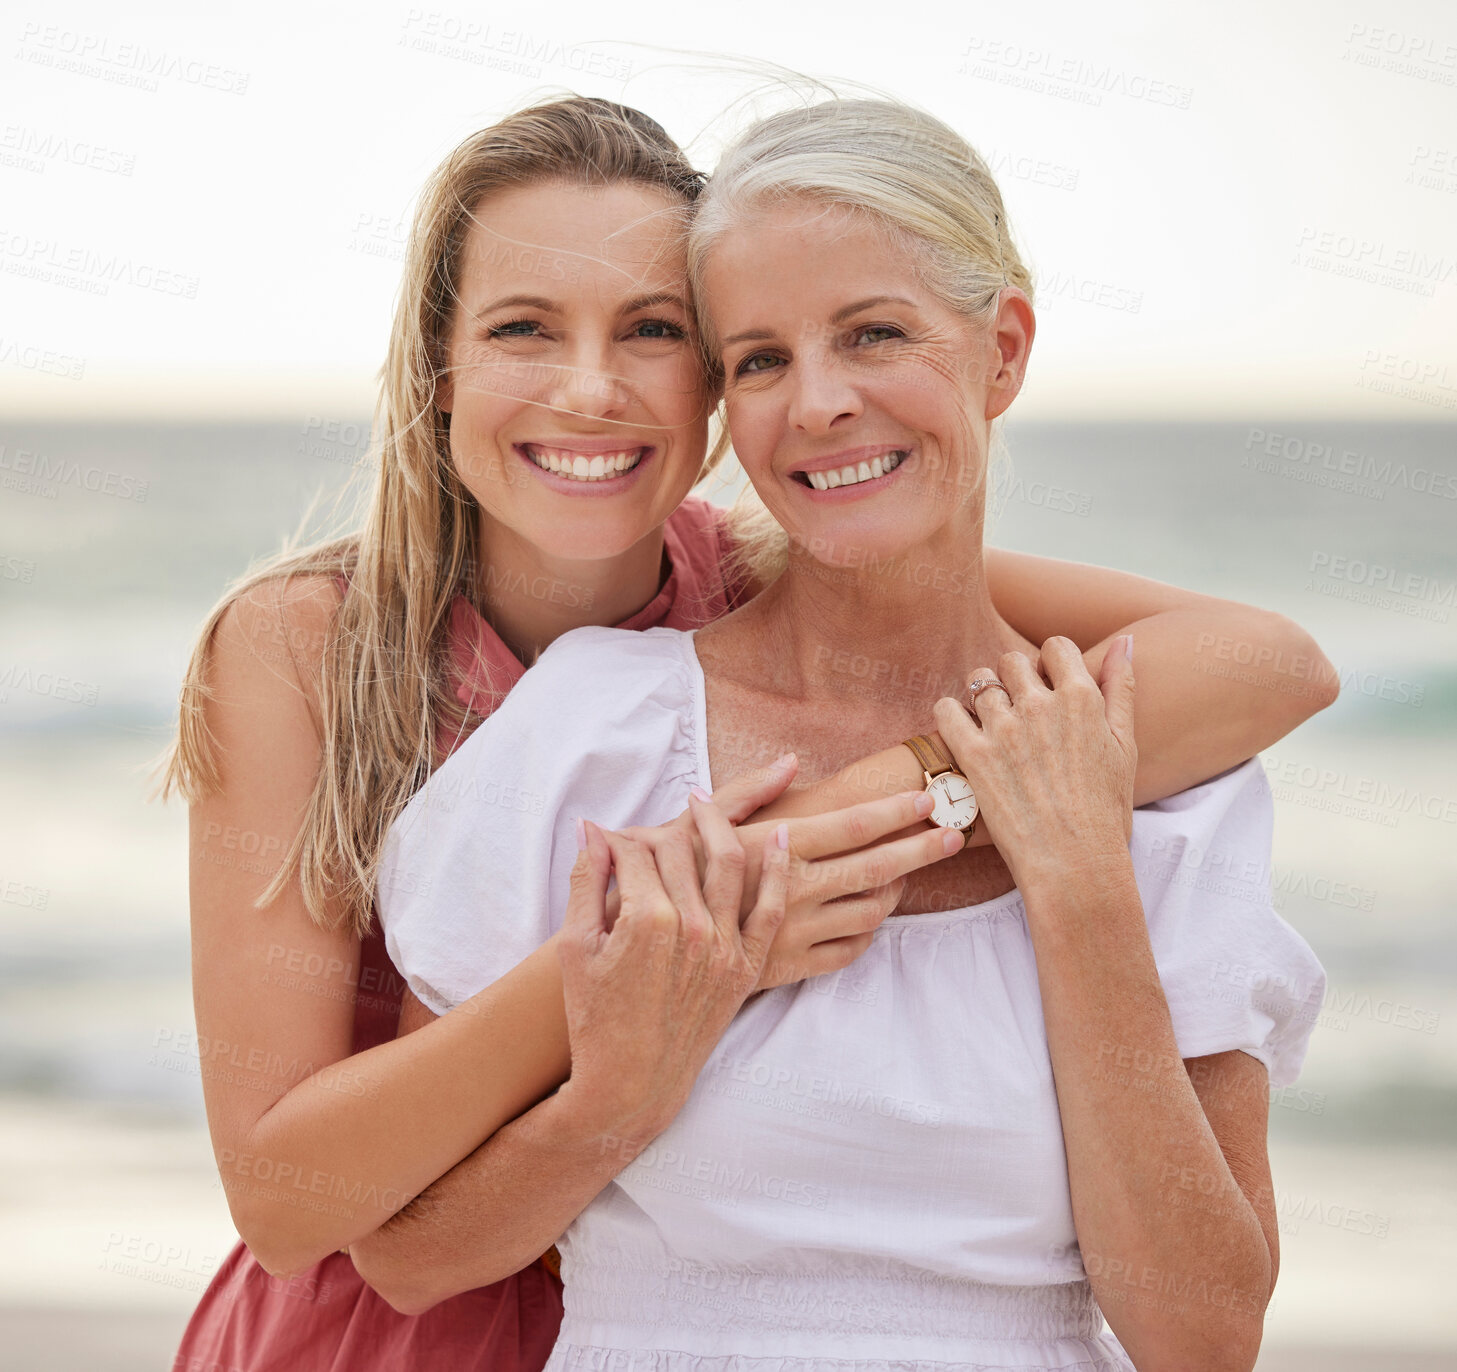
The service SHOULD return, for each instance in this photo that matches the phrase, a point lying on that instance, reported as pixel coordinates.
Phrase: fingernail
(581, 834)
(1128, 646)
(953, 841)
(924, 803)
(698, 793)
(784, 760)
(781, 836)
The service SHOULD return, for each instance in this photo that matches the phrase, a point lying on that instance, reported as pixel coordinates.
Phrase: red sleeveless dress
(327, 1319)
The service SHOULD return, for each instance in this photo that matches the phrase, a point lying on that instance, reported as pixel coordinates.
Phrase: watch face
(955, 802)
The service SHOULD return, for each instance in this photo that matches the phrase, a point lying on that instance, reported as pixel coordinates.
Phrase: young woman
(965, 1149)
(544, 413)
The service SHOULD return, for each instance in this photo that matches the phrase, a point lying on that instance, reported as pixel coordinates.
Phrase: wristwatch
(955, 800)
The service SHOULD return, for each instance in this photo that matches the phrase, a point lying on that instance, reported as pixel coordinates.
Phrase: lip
(861, 490)
(587, 447)
(850, 456)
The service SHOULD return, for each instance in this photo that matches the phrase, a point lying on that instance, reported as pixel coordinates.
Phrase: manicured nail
(1128, 646)
(781, 836)
(783, 761)
(698, 793)
(953, 841)
(581, 834)
(924, 803)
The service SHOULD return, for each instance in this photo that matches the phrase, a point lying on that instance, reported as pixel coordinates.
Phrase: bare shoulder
(276, 629)
(264, 668)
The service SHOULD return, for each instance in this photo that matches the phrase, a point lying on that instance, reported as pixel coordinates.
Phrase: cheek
(475, 455)
(676, 394)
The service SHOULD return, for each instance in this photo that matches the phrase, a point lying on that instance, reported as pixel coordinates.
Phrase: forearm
(367, 1134)
(1199, 711)
(1182, 1287)
(1217, 680)
(1192, 722)
(501, 1208)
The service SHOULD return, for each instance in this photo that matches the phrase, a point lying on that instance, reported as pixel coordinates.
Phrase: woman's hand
(1052, 762)
(649, 995)
(847, 871)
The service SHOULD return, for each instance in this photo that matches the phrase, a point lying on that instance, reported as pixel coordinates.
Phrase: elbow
(409, 1288)
(277, 1251)
(400, 1291)
(1225, 1351)
(1309, 681)
(1325, 680)
(1320, 676)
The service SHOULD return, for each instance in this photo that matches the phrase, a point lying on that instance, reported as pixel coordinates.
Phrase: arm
(498, 1210)
(1184, 1286)
(290, 1112)
(1170, 1182)
(1217, 680)
(1200, 711)
(649, 992)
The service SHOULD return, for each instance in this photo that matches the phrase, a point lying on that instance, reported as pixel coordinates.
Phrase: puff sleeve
(1235, 974)
(475, 870)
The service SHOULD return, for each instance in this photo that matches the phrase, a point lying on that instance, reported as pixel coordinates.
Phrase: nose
(585, 383)
(822, 393)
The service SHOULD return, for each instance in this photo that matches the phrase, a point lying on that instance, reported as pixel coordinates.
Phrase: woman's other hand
(1052, 761)
(649, 995)
(847, 871)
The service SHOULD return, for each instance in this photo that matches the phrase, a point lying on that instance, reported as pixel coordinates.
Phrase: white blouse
(870, 1168)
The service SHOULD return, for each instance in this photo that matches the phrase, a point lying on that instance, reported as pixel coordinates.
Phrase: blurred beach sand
(112, 1224)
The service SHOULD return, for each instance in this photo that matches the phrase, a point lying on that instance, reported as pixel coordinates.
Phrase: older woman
(1040, 1096)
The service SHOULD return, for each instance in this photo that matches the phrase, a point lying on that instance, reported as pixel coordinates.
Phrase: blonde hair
(916, 178)
(387, 682)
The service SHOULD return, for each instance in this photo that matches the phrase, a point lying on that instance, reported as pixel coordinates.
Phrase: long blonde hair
(386, 685)
(914, 176)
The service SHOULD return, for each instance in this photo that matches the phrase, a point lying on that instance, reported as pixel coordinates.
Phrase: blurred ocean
(115, 541)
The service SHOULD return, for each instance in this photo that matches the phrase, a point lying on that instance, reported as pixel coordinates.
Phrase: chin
(863, 539)
(588, 536)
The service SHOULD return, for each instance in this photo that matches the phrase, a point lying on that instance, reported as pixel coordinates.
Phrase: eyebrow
(534, 302)
(839, 317)
(646, 302)
(540, 302)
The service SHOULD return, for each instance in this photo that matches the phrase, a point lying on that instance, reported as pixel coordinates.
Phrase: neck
(895, 631)
(530, 598)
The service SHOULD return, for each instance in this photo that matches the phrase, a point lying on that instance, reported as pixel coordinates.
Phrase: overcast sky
(1233, 209)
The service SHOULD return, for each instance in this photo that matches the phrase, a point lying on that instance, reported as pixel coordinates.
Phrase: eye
(658, 328)
(889, 331)
(750, 364)
(514, 328)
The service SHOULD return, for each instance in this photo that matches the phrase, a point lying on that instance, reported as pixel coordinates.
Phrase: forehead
(620, 238)
(802, 258)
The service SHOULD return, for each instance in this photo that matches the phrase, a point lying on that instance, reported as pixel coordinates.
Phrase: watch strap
(932, 761)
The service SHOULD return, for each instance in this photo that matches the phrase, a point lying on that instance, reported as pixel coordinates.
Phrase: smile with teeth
(578, 467)
(855, 473)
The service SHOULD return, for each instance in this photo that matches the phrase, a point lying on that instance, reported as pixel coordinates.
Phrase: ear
(1013, 330)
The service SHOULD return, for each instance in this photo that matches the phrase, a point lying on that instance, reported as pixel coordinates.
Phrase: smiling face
(859, 404)
(577, 402)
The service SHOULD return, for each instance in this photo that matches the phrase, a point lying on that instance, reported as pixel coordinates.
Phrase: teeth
(853, 476)
(581, 468)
